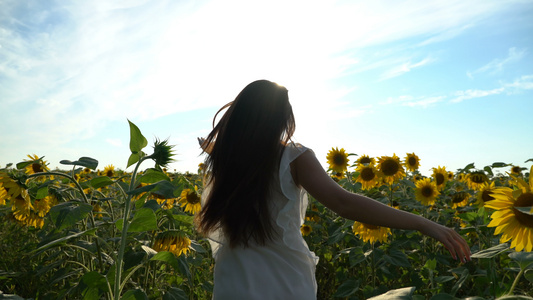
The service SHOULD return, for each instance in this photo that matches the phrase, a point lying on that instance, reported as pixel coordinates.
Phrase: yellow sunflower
(441, 176)
(3, 195)
(338, 175)
(513, 218)
(109, 171)
(426, 191)
(516, 170)
(167, 203)
(390, 168)
(12, 187)
(460, 199)
(411, 162)
(190, 200)
(172, 241)
(306, 229)
(365, 160)
(476, 180)
(337, 159)
(484, 194)
(368, 176)
(370, 233)
(38, 166)
(451, 176)
(417, 177)
(21, 206)
(461, 177)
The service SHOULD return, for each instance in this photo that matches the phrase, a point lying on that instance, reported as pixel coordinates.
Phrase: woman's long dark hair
(244, 150)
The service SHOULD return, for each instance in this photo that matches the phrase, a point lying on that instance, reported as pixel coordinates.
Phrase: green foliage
(98, 239)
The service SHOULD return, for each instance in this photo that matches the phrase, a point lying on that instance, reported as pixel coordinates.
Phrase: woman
(256, 196)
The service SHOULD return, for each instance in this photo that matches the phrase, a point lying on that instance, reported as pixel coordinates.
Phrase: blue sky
(449, 80)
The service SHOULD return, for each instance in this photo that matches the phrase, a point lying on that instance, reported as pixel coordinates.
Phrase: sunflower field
(86, 233)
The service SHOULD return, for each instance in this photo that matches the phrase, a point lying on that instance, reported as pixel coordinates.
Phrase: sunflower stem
(515, 282)
(85, 199)
(124, 235)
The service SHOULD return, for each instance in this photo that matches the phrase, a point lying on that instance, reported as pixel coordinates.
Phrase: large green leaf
(137, 140)
(143, 220)
(175, 293)
(153, 176)
(101, 181)
(347, 288)
(134, 295)
(88, 162)
(62, 240)
(402, 293)
(95, 280)
(67, 214)
(167, 257)
(491, 252)
(524, 259)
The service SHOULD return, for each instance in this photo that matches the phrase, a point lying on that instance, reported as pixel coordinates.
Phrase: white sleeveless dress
(284, 268)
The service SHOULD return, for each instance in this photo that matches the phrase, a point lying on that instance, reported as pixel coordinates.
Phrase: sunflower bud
(162, 153)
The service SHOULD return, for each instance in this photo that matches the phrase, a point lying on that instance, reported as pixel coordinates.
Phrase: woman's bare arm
(308, 172)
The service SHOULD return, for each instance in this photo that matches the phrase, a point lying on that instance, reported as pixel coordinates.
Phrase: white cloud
(411, 101)
(404, 68)
(497, 65)
(523, 83)
(114, 142)
(471, 94)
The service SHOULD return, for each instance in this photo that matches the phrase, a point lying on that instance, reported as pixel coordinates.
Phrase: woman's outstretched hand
(456, 245)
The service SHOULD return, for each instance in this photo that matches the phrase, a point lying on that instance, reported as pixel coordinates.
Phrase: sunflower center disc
(390, 167)
(412, 161)
(339, 160)
(369, 226)
(427, 191)
(367, 174)
(524, 200)
(365, 160)
(37, 168)
(439, 178)
(486, 196)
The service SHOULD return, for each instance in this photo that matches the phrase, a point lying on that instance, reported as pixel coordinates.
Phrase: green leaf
(524, 259)
(531, 159)
(491, 252)
(529, 275)
(88, 162)
(143, 220)
(167, 257)
(95, 280)
(101, 181)
(499, 165)
(153, 176)
(134, 157)
(443, 296)
(488, 169)
(402, 293)
(24, 164)
(42, 192)
(64, 239)
(137, 140)
(347, 288)
(175, 293)
(397, 258)
(514, 297)
(67, 214)
(134, 295)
